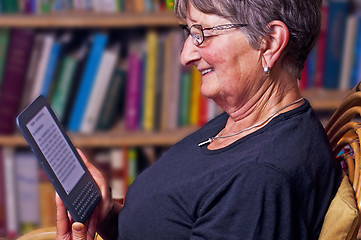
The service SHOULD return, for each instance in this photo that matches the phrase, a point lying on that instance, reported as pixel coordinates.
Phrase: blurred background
(110, 69)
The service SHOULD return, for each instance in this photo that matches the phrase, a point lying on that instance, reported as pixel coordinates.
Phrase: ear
(276, 42)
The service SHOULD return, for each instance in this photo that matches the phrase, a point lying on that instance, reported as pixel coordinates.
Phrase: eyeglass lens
(196, 33)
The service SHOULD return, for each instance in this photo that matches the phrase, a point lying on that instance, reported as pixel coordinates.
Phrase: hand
(67, 228)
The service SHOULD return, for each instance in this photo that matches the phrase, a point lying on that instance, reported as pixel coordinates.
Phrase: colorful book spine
(10, 6)
(195, 98)
(50, 69)
(10, 193)
(32, 69)
(203, 110)
(114, 101)
(133, 90)
(150, 81)
(13, 81)
(132, 157)
(97, 96)
(348, 53)
(46, 200)
(184, 102)
(172, 81)
(4, 41)
(338, 10)
(27, 182)
(48, 42)
(119, 176)
(87, 81)
(356, 60)
(321, 47)
(63, 86)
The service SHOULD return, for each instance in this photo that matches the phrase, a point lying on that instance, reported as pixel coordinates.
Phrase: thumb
(79, 231)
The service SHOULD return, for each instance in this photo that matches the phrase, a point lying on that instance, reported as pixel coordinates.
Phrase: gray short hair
(302, 17)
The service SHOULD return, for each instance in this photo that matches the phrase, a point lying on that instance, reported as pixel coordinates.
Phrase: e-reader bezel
(68, 199)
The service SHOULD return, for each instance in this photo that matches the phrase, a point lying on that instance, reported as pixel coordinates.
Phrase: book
(64, 85)
(10, 6)
(119, 175)
(10, 192)
(101, 83)
(194, 110)
(27, 182)
(171, 80)
(3, 227)
(166, 82)
(355, 72)
(184, 102)
(321, 47)
(53, 63)
(4, 41)
(114, 102)
(159, 81)
(150, 80)
(46, 202)
(133, 86)
(32, 69)
(348, 52)
(50, 69)
(203, 110)
(81, 54)
(132, 156)
(73, 50)
(47, 44)
(13, 79)
(337, 14)
(87, 80)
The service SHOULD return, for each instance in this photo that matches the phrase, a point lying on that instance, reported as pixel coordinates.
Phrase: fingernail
(77, 227)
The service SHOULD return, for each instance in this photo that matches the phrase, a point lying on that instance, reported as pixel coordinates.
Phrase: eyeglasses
(197, 31)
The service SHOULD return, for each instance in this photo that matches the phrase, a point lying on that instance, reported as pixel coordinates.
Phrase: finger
(97, 175)
(106, 203)
(79, 231)
(62, 220)
(93, 220)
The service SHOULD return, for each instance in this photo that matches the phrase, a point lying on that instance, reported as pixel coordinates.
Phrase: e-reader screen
(55, 149)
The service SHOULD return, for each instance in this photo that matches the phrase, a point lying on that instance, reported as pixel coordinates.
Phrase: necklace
(211, 139)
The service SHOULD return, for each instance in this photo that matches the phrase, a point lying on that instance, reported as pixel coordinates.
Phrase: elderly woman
(261, 170)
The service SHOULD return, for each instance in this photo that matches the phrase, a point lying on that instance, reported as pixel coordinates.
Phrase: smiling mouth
(207, 71)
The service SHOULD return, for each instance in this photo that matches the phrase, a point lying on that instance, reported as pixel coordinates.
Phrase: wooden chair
(342, 220)
(48, 233)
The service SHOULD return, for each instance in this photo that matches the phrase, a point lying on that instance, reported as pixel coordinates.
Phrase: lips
(207, 71)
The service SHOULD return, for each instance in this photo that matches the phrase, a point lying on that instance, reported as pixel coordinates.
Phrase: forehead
(194, 16)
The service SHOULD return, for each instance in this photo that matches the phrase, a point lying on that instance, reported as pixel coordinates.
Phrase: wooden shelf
(320, 99)
(112, 139)
(90, 20)
(325, 100)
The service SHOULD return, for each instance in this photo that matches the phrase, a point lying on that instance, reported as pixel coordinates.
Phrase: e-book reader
(58, 157)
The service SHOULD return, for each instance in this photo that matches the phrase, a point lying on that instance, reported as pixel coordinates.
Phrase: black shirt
(275, 183)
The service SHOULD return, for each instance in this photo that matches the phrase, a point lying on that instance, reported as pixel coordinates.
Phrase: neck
(257, 110)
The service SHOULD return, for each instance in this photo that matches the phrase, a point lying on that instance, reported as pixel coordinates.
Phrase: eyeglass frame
(218, 27)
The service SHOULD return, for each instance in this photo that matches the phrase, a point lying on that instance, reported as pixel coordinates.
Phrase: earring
(267, 70)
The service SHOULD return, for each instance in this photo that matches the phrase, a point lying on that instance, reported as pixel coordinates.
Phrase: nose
(189, 52)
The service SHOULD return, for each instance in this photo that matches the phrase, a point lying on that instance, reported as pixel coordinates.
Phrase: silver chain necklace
(209, 140)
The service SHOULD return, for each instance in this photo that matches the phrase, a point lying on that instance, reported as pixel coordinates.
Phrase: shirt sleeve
(255, 204)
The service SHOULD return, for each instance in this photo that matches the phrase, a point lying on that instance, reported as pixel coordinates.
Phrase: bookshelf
(321, 99)
(117, 137)
(90, 20)
(114, 138)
